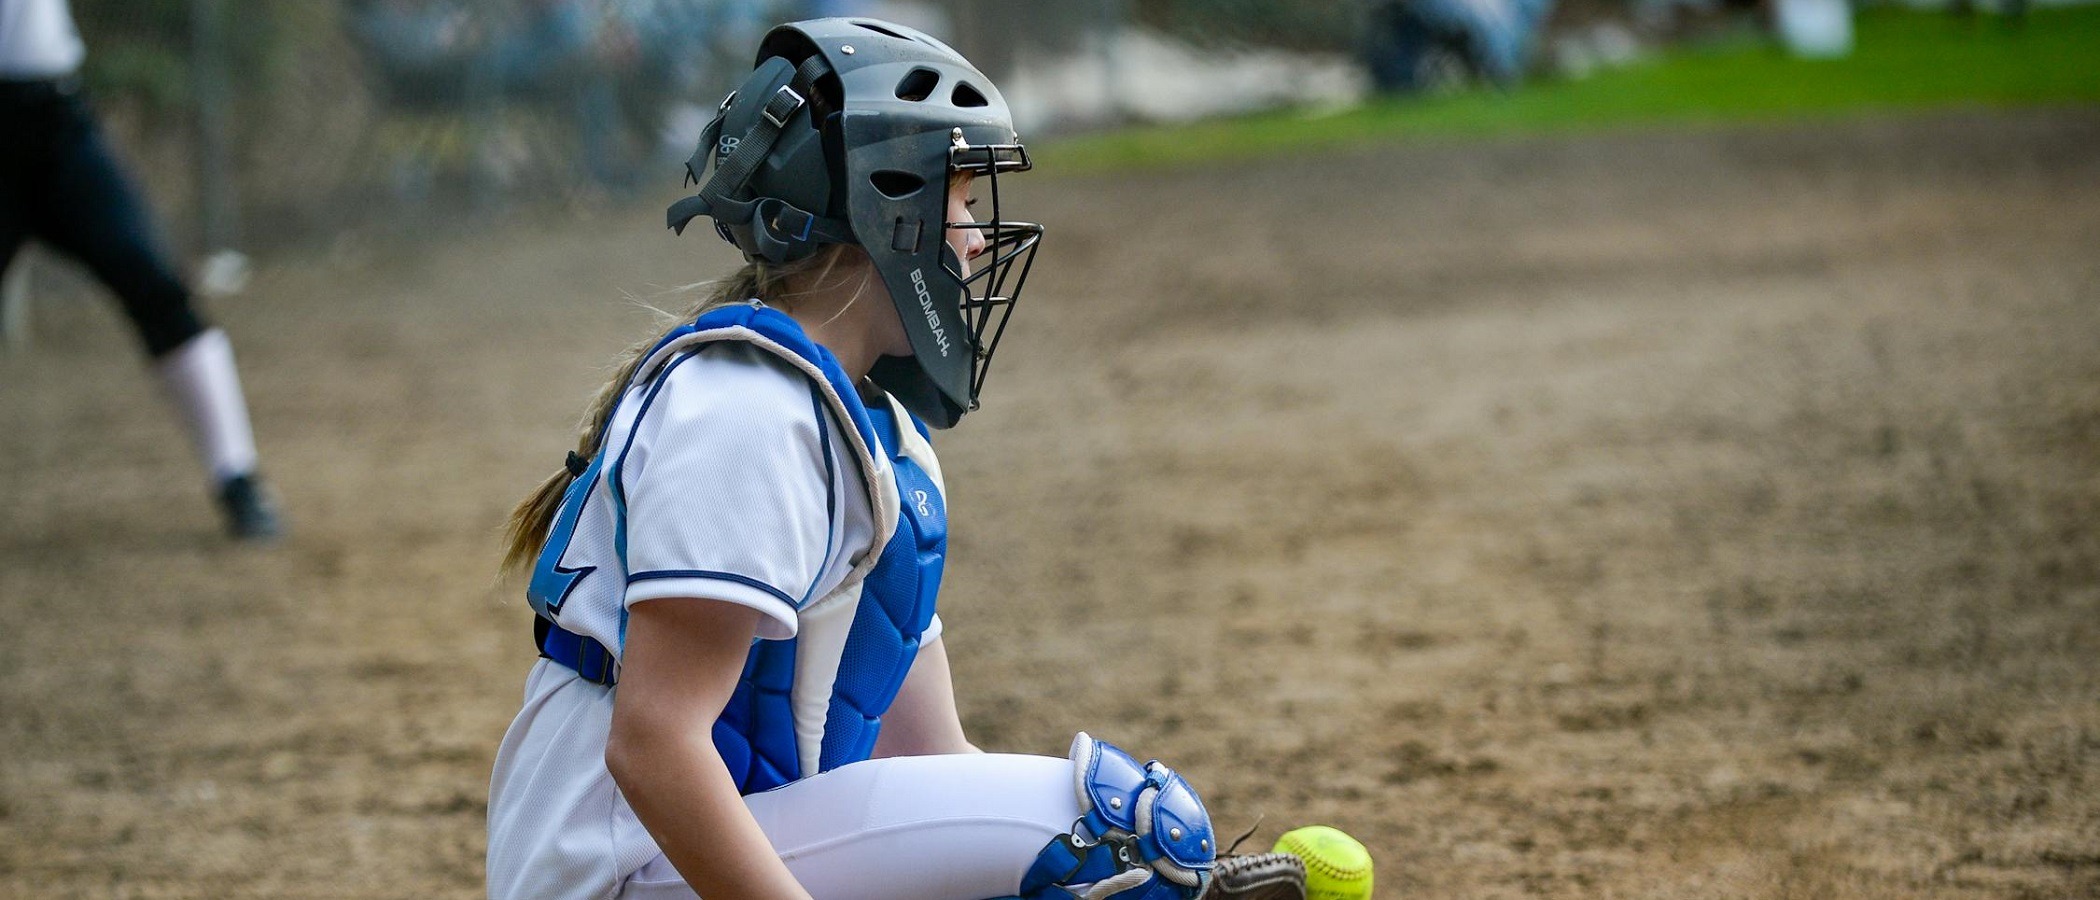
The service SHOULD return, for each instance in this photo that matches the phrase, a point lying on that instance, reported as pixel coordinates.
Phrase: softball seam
(1324, 867)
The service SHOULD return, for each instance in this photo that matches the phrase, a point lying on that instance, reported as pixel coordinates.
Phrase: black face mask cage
(997, 274)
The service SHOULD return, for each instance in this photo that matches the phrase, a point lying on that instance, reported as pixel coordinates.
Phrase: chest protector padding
(896, 607)
(757, 734)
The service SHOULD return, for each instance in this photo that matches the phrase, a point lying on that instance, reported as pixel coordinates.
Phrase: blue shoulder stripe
(732, 577)
(619, 484)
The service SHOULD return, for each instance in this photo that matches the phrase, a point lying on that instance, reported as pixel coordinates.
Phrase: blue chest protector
(758, 732)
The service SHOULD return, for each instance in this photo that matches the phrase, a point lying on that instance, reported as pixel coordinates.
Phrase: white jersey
(724, 475)
(38, 39)
(736, 483)
(735, 473)
(728, 472)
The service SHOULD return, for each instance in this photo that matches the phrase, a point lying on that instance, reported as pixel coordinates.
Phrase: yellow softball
(1336, 866)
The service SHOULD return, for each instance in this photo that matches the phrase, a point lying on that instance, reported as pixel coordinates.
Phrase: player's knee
(1140, 825)
(164, 320)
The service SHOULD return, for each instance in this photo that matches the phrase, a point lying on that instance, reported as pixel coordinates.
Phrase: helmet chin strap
(779, 232)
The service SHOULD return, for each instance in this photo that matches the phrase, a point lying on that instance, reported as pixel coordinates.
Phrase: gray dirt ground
(1664, 515)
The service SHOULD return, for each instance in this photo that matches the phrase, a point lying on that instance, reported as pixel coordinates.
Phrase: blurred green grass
(1905, 60)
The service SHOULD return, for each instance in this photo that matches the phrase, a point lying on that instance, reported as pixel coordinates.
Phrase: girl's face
(966, 242)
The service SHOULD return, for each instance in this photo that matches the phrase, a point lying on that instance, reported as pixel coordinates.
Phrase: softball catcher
(744, 690)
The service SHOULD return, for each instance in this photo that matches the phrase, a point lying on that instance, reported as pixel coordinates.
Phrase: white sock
(206, 388)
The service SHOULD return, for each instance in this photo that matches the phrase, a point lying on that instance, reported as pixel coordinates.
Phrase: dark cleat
(251, 510)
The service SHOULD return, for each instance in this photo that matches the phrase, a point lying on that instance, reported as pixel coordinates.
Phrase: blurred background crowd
(395, 110)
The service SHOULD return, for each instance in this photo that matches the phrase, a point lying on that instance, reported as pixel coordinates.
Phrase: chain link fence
(254, 121)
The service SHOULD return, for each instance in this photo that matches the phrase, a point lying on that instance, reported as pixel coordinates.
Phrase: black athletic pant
(59, 184)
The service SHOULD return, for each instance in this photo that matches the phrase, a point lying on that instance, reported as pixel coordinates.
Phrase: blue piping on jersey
(745, 580)
(831, 493)
(619, 485)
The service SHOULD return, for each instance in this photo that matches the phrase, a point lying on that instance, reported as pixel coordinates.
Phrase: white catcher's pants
(962, 827)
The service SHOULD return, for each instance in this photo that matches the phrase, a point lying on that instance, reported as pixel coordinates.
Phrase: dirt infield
(1668, 515)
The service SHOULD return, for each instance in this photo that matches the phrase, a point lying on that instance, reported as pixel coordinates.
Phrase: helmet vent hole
(896, 184)
(967, 96)
(918, 84)
(878, 29)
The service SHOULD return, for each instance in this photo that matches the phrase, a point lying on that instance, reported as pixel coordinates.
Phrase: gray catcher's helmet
(847, 132)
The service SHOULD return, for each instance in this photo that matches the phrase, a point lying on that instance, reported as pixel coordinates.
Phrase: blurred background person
(617, 78)
(60, 184)
(1422, 44)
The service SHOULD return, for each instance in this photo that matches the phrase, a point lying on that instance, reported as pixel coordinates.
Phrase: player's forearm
(679, 670)
(682, 793)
